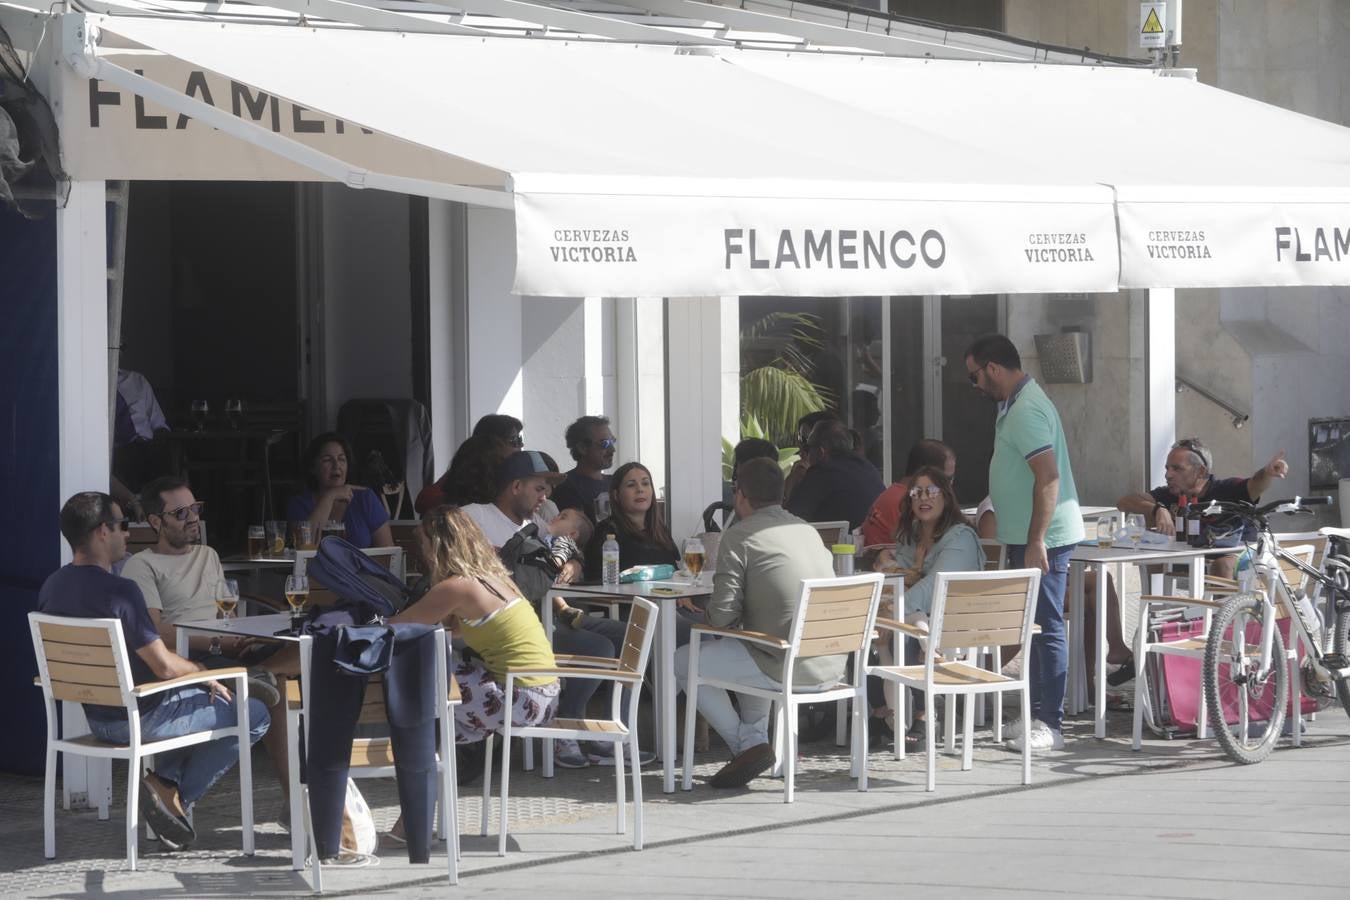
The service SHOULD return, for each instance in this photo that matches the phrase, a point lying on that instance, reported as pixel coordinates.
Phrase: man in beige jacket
(761, 563)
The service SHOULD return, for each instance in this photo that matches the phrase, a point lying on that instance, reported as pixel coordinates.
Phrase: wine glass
(297, 594)
(227, 598)
(199, 410)
(234, 412)
(1134, 529)
(1106, 531)
(693, 557)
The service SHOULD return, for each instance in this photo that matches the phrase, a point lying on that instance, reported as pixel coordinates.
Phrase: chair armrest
(154, 687)
(902, 627)
(754, 637)
(1149, 599)
(564, 672)
(593, 662)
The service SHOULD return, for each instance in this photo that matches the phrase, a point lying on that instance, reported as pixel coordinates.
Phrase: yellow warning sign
(1151, 24)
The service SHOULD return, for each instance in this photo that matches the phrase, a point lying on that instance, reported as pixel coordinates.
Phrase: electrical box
(1066, 358)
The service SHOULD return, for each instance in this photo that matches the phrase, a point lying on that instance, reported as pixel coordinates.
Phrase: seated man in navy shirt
(94, 526)
(1189, 466)
(839, 485)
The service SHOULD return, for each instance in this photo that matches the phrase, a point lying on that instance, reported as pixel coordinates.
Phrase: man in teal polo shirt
(1032, 488)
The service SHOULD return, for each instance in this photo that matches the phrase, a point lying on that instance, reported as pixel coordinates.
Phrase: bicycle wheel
(1246, 710)
(1341, 644)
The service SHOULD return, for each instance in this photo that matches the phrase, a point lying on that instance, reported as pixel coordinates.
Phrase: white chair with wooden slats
(1217, 591)
(832, 533)
(626, 671)
(834, 617)
(971, 610)
(86, 661)
(373, 757)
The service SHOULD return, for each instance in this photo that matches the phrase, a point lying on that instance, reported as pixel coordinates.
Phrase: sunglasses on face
(183, 512)
(975, 376)
(607, 444)
(517, 441)
(932, 492)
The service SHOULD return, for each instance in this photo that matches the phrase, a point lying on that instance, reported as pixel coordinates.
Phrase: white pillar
(496, 377)
(83, 390)
(1160, 381)
(447, 304)
(702, 401)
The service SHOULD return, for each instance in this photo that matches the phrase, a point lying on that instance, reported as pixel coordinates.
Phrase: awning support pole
(1160, 372)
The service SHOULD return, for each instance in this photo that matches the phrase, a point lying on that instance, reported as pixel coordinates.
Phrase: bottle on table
(1178, 519)
(1185, 519)
(1193, 529)
(609, 559)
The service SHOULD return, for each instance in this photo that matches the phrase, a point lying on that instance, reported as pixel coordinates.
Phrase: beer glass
(1134, 528)
(304, 536)
(1106, 531)
(257, 541)
(199, 410)
(297, 594)
(227, 598)
(693, 557)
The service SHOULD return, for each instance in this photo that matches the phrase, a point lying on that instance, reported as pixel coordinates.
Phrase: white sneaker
(1014, 730)
(1041, 738)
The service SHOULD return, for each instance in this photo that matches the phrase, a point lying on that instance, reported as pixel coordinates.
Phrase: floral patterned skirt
(482, 707)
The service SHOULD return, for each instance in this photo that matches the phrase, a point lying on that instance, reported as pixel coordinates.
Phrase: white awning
(1212, 189)
(636, 170)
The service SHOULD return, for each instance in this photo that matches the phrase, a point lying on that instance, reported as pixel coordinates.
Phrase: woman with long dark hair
(635, 523)
(330, 495)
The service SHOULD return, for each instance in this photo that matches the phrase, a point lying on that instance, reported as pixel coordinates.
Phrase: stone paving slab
(568, 821)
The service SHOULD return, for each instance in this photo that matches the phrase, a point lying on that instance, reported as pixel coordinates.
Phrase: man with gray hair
(1189, 473)
(761, 562)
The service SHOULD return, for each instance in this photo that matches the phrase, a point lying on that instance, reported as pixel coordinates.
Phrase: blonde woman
(473, 595)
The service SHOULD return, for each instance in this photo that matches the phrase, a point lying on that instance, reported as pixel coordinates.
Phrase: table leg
(298, 813)
(666, 689)
(1074, 700)
(1100, 667)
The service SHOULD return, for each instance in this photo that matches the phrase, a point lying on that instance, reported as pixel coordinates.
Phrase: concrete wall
(367, 310)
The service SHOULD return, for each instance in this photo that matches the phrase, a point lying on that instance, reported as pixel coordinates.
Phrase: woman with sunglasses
(932, 536)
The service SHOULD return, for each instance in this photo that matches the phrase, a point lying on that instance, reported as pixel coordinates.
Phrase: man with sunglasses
(179, 578)
(592, 445)
(93, 524)
(1032, 488)
(1189, 473)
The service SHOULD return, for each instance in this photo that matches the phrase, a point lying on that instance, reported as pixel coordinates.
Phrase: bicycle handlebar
(1249, 512)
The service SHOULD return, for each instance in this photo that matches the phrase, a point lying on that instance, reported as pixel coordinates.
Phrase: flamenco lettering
(829, 248)
(1331, 244)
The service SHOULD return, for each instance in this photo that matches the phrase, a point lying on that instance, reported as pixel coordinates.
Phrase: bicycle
(1246, 661)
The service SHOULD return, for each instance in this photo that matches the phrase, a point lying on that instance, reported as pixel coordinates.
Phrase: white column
(83, 391)
(496, 377)
(1160, 381)
(701, 401)
(445, 324)
(593, 348)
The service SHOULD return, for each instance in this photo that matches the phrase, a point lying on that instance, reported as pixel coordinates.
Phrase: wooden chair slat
(87, 693)
(82, 654)
(839, 609)
(372, 712)
(991, 588)
(102, 676)
(825, 628)
(828, 646)
(91, 636)
(840, 594)
(587, 725)
(985, 637)
(986, 604)
(372, 752)
(963, 621)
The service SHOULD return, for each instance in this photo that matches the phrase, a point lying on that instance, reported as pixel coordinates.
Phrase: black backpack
(530, 563)
(365, 587)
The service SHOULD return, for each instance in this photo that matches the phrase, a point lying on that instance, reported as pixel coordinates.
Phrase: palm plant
(776, 394)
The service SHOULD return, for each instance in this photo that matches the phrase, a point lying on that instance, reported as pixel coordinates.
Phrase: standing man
(591, 443)
(1033, 490)
(761, 562)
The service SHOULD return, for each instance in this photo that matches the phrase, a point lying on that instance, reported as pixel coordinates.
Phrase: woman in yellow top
(473, 595)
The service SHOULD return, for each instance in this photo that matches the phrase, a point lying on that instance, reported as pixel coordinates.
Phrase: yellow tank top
(511, 638)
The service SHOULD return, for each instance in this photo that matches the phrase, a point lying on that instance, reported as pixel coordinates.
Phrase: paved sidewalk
(1173, 820)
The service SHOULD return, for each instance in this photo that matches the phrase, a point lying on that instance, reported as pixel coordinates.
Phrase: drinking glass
(1134, 528)
(199, 410)
(304, 536)
(234, 412)
(276, 538)
(297, 594)
(693, 557)
(257, 541)
(335, 527)
(602, 506)
(1106, 531)
(227, 598)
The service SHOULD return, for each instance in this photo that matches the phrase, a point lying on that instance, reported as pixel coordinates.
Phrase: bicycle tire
(1257, 741)
(1341, 644)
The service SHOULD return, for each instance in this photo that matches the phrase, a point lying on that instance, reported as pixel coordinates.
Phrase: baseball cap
(526, 464)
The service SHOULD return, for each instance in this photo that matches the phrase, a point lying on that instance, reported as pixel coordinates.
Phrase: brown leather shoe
(162, 808)
(744, 767)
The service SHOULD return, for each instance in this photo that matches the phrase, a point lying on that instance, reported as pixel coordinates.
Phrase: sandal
(1122, 675)
(914, 737)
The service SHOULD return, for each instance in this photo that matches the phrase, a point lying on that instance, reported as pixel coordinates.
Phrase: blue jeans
(1049, 662)
(194, 769)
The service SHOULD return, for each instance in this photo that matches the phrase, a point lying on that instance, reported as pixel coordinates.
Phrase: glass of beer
(1106, 532)
(693, 557)
(333, 527)
(276, 539)
(297, 594)
(227, 598)
(304, 536)
(257, 541)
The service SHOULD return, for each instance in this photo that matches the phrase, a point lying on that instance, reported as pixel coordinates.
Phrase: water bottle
(609, 557)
